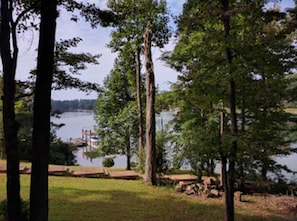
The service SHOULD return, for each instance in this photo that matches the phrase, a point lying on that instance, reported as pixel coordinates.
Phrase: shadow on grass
(119, 205)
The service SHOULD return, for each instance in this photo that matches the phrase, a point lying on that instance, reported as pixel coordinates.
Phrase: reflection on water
(291, 163)
(84, 160)
(76, 121)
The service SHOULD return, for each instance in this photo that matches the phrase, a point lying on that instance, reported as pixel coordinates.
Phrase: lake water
(76, 121)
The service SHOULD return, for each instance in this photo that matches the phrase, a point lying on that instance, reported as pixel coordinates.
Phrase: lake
(76, 121)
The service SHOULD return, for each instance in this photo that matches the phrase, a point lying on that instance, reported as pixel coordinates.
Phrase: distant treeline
(73, 105)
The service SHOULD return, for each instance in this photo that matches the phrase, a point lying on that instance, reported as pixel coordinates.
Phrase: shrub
(24, 209)
(108, 162)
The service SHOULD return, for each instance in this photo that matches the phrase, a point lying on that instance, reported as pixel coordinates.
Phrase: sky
(94, 42)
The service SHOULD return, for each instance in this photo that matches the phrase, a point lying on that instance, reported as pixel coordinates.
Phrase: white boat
(94, 141)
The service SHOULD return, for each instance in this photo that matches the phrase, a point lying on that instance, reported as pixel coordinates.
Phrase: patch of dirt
(285, 205)
(265, 205)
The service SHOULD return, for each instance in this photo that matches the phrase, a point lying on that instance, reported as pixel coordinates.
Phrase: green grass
(95, 199)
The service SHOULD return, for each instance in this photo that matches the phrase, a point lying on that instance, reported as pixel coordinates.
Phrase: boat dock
(84, 172)
(99, 172)
(88, 138)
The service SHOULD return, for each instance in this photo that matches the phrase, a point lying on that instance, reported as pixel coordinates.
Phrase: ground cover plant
(98, 199)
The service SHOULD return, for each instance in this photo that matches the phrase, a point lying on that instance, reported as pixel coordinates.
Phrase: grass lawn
(96, 199)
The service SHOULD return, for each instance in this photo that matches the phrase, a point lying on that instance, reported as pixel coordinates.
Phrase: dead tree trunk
(150, 163)
(139, 110)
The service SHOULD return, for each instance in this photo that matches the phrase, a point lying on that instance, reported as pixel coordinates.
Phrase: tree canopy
(234, 58)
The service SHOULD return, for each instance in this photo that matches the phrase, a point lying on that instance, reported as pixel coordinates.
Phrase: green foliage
(127, 39)
(262, 56)
(166, 100)
(60, 153)
(115, 113)
(108, 162)
(68, 66)
(91, 13)
(132, 19)
(24, 209)
(162, 156)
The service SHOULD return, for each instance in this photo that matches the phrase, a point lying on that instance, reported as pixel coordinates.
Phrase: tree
(115, 112)
(2, 146)
(263, 119)
(68, 65)
(128, 37)
(8, 29)
(222, 44)
(165, 100)
(41, 112)
(197, 122)
(60, 153)
(24, 10)
(42, 101)
(150, 162)
(230, 179)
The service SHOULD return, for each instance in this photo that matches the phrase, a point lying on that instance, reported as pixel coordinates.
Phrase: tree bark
(139, 110)
(9, 123)
(150, 163)
(229, 187)
(128, 153)
(222, 154)
(41, 112)
(232, 157)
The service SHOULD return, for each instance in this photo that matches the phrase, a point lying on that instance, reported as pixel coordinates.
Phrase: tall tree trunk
(265, 165)
(41, 110)
(232, 156)
(242, 130)
(128, 153)
(224, 173)
(222, 154)
(229, 188)
(9, 123)
(150, 163)
(139, 110)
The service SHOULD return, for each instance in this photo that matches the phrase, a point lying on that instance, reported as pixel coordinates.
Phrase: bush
(108, 162)
(133, 164)
(24, 209)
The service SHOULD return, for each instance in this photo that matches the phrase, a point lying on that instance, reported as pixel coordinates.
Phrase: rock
(190, 190)
(206, 192)
(238, 195)
(214, 192)
(178, 189)
(200, 186)
(181, 186)
(209, 181)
